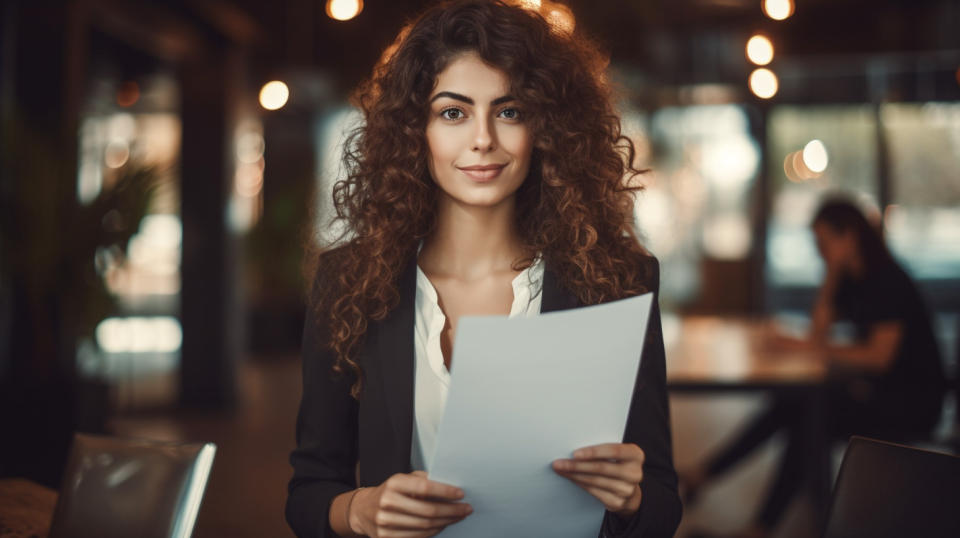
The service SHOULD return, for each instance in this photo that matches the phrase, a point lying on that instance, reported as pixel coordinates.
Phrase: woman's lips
(482, 173)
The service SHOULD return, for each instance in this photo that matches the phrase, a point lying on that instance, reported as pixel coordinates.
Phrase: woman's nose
(483, 137)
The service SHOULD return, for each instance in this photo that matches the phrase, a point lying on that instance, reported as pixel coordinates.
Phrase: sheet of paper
(524, 392)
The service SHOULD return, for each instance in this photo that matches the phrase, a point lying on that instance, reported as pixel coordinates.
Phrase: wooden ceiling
(664, 43)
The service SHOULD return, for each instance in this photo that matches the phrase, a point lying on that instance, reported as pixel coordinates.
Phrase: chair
(129, 488)
(889, 490)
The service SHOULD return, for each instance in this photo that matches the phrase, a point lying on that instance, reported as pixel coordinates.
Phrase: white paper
(527, 391)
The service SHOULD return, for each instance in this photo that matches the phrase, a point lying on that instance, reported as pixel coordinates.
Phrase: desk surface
(25, 508)
(721, 353)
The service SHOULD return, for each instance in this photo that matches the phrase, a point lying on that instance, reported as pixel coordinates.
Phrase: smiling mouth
(482, 173)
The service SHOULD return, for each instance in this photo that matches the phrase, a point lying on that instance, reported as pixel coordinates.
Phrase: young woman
(489, 178)
(888, 383)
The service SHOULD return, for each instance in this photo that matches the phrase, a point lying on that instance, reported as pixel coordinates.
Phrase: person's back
(910, 390)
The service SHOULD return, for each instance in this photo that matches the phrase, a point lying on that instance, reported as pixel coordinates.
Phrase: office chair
(889, 490)
(131, 488)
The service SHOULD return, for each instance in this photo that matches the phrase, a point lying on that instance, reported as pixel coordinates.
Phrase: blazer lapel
(396, 355)
(554, 296)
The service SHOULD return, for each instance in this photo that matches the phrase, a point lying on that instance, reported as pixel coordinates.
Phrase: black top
(914, 382)
(341, 440)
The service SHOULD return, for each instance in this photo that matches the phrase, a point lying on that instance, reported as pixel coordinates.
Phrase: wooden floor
(247, 488)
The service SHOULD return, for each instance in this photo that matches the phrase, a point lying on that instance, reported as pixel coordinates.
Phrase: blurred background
(164, 164)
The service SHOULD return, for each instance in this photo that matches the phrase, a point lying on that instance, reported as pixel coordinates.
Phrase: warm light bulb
(344, 10)
(561, 18)
(274, 95)
(778, 10)
(815, 156)
(763, 83)
(128, 94)
(759, 50)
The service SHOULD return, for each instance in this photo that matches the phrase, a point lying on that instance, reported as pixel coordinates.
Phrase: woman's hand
(406, 505)
(610, 472)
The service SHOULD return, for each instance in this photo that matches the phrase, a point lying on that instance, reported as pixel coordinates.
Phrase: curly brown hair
(574, 209)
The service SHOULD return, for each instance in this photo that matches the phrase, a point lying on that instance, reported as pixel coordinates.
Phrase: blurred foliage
(273, 249)
(49, 240)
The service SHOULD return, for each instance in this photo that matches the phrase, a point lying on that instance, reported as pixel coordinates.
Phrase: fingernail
(579, 453)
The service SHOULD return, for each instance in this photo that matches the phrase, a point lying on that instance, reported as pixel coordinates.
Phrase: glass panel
(131, 131)
(812, 151)
(923, 223)
(696, 203)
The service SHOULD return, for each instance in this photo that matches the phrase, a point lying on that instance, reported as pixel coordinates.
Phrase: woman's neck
(471, 242)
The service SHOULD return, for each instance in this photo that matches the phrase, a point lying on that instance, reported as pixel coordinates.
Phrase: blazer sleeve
(648, 425)
(326, 433)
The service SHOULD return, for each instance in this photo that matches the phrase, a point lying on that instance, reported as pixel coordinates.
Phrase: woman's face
(479, 141)
(837, 247)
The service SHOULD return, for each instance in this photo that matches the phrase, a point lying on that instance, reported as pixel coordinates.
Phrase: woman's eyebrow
(469, 101)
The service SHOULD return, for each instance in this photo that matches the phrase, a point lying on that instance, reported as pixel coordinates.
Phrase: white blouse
(431, 377)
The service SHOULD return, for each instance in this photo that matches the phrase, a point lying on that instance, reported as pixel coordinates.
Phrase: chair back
(131, 488)
(890, 490)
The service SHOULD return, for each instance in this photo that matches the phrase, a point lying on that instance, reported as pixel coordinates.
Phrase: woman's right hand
(408, 506)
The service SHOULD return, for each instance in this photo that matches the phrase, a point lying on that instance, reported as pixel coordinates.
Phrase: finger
(398, 502)
(626, 472)
(420, 486)
(614, 451)
(598, 467)
(620, 488)
(402, 533)
(401, 521)
(610, 500)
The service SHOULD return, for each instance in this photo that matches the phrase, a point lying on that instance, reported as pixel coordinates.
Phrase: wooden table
(26, 508)
(711, 354)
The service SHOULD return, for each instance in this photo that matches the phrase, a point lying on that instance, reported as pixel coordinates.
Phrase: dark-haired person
(889, 383)
(487, 178)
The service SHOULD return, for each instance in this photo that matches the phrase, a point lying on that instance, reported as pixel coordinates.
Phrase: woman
(488, 178)
(888, 383)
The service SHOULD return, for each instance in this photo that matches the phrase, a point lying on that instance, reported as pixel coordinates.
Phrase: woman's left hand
(610, 472)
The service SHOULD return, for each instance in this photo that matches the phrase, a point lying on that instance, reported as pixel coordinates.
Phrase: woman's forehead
(468, 75)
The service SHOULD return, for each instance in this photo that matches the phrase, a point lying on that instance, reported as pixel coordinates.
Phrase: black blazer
(335, 431)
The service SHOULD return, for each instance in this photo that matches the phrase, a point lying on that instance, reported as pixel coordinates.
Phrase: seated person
(888, 384)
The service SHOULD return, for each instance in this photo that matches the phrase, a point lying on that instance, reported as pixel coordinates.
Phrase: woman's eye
(451, 114)
(510, 114)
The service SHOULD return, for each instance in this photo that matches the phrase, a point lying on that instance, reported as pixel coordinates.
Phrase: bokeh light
(250, 147)
(815, 156)
(249, 179)
(344, 10)
(796, 168)
(778, 10)
(128, 94)
(759, 50)
(157, 334)
(530, 4)
(727, 236)
(117, 154)
(274, 95)
(764, 83)
(560, 18)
